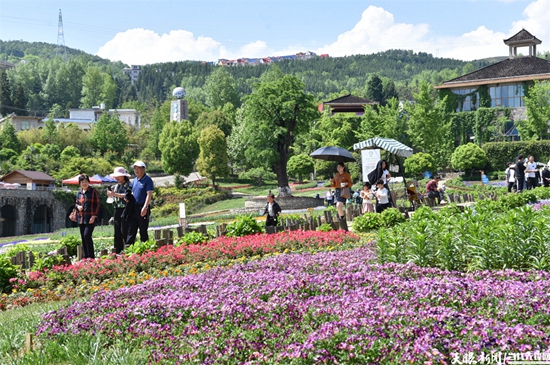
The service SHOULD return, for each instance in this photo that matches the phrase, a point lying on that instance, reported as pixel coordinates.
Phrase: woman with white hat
(117, 194)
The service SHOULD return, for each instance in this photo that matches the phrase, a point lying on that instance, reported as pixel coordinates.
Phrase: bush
(469, 157)
(7, 271)
(243, 226)
(367, 222)
(46, 262)
(499, 153)
(390, 217)
(70, 242)
(141, 247)
(325, 227)
(418, 163)
(191, 238)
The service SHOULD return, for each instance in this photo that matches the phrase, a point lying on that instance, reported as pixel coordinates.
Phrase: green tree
(220, 88)
(8, 139)
(50, 134)
(217, 118)
(418, 163)
(108, 91)
(179, 148)
(213, 160)
(429, 126)
(374, 89)
(6, 103)
(468, 157)
(160, 118)
(385, 121)
(19, 99)
(300, 165)
(537, 103)
(69, 153)
(109, 134)
(92, 87)
(276, 112)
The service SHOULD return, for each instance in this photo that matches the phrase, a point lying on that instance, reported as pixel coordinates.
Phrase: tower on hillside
(61, 50)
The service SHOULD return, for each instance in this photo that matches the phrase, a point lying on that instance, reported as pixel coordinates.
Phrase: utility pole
(61, 39)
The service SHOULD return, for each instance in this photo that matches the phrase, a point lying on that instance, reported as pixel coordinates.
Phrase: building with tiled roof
(347, 104)
(504, 81)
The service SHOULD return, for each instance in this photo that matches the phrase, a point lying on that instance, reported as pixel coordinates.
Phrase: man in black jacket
(520, 173)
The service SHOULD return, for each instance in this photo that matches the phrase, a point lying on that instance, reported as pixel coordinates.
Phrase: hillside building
(132, 71)
(505, 81)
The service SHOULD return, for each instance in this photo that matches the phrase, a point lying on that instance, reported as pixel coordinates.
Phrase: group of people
(131, 208)
(521, 175)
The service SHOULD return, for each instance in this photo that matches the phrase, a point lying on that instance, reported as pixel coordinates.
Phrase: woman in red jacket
(87, 205)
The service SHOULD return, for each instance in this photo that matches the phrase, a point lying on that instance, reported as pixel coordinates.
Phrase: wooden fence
(27, 258)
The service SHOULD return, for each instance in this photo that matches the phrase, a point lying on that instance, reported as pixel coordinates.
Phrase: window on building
(25, 125)
(469, 102)
(510, 96)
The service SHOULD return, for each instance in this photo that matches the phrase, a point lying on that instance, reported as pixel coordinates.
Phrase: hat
(120, 171)
(139, 164)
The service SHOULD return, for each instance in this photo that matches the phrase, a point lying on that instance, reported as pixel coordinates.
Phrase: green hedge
(499, 153)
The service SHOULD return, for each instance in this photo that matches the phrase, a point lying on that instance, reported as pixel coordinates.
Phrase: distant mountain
(14, 51)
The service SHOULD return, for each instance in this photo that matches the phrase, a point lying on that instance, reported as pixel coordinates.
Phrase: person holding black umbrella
(342, 183)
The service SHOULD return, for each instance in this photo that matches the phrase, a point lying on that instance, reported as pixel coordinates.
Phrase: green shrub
(191, 238)
(500, 153)
(7, 271)
(43, 262)
(391, 217)
(141, 247)
(367, 222)
(243, 226)
(15, 249)
(70, 241)
(325, 227)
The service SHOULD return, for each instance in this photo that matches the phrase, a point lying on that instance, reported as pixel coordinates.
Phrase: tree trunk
(282, 177)
(214, 183)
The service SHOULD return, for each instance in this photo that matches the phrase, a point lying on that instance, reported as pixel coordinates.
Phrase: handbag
(345, 193)
(73, 216)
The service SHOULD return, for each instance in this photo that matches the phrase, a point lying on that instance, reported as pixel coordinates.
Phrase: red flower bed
(171, 256)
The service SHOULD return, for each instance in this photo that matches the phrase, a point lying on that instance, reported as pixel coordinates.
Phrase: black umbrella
(333, 154)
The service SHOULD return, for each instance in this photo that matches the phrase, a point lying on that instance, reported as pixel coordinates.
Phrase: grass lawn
(223, 205)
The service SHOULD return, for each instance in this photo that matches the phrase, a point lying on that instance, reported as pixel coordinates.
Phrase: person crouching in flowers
(87, 205)
(272, 209)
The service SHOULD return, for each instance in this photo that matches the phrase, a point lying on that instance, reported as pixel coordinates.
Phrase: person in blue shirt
(142, 190)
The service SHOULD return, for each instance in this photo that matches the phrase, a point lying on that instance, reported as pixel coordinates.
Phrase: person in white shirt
(382, 193)
(531, 173)
(511, 176)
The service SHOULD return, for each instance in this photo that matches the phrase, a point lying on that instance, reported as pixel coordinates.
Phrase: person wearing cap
(117, 193)
(432, 189)
(142, 189)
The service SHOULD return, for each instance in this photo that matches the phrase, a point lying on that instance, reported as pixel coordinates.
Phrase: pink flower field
(330, 307)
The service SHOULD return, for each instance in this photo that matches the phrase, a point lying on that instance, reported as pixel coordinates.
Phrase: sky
(139, 32)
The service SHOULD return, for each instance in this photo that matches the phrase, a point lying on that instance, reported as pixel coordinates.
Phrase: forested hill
(14, 51)
(324, 77)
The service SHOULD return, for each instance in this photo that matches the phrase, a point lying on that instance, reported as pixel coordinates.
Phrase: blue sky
(142, 32)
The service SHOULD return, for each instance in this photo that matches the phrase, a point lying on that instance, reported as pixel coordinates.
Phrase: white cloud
(142, 46)
(537, 22)
(377, 31)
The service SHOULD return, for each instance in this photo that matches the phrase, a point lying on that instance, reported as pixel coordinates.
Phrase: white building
(132, 71)
(130, 117)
